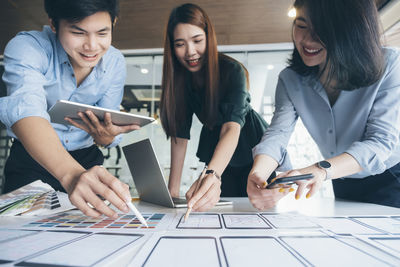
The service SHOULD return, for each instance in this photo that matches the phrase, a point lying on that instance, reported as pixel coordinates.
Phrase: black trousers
(22, 169)
(234, 181)
(383, 189)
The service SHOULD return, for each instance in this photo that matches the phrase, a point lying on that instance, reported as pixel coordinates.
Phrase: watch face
(324, 164)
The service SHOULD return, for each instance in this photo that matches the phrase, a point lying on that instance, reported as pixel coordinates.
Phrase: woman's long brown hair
(172, 106)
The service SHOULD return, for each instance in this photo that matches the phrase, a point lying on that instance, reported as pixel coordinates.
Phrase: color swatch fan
(36, 198)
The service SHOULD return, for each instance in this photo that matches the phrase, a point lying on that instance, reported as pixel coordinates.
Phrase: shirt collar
(312, 82)
(62, 55)
(101, 69)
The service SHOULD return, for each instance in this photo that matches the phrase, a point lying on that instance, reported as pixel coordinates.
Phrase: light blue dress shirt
(364, 123)
(38, 73)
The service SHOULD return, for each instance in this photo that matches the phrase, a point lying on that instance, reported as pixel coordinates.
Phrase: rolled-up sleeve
(234, 106)
(24, 78)
(276, 138)
(383, 126)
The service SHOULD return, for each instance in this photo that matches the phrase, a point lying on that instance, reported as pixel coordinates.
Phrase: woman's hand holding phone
(287, 181)
(313, 183)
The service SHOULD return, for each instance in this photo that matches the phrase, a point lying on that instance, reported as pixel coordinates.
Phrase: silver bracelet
(213, 173)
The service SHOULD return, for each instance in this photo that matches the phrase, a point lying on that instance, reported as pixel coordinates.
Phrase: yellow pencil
(189, 210)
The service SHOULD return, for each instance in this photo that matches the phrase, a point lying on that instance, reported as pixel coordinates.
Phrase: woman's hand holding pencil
(204, 193)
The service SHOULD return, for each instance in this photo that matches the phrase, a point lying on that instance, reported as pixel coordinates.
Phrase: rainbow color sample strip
(48, 201)
(77, 221)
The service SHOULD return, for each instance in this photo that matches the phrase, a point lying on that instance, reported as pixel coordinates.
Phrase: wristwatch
(214, 173)
(325, 165)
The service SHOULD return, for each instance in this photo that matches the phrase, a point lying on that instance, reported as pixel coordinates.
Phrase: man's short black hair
(77, 10)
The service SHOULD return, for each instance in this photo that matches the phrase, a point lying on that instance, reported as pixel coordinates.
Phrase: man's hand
(93, 183)
(103, 132)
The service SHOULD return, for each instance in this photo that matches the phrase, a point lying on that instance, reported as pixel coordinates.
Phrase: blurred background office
(255, 32)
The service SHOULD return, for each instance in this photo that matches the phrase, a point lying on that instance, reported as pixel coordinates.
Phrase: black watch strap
(214, 173)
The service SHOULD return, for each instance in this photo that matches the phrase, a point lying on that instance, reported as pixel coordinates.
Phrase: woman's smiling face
(190, 46)
(311, 51)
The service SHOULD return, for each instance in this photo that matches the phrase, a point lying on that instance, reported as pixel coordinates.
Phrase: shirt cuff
(284, 163)
(115, 142)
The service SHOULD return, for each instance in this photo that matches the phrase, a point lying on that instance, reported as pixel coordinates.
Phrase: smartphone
(289, 180)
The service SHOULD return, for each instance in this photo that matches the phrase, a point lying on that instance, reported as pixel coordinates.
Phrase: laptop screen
(147, 173)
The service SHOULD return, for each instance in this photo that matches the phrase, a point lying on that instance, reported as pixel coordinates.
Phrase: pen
(195, 190)
(137, 213)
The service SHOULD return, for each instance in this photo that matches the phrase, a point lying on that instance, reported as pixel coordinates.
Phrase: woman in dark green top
(197, 79)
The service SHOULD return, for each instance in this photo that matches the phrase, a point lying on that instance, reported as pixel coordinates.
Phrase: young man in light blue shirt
(72, 60)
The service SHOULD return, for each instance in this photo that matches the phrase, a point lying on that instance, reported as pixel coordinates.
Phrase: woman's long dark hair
(349, 30)
(172, 105)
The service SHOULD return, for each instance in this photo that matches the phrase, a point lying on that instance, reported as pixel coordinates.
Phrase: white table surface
(310, 207)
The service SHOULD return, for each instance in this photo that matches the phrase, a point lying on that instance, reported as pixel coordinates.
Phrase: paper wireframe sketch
(244, 221)
(7, 234)
(331, 251)
(246, 251)
(200, 221)
(386, 224)
(388, 242)
(86, 251)
(19, 248)
(342, 225)
(289, 221)
(172, 251)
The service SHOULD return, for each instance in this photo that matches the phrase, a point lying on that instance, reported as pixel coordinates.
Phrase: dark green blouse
(234, 105)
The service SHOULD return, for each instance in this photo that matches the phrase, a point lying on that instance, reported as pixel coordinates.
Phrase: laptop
(149, 178)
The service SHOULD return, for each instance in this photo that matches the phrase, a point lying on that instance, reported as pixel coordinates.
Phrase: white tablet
(64, 108)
